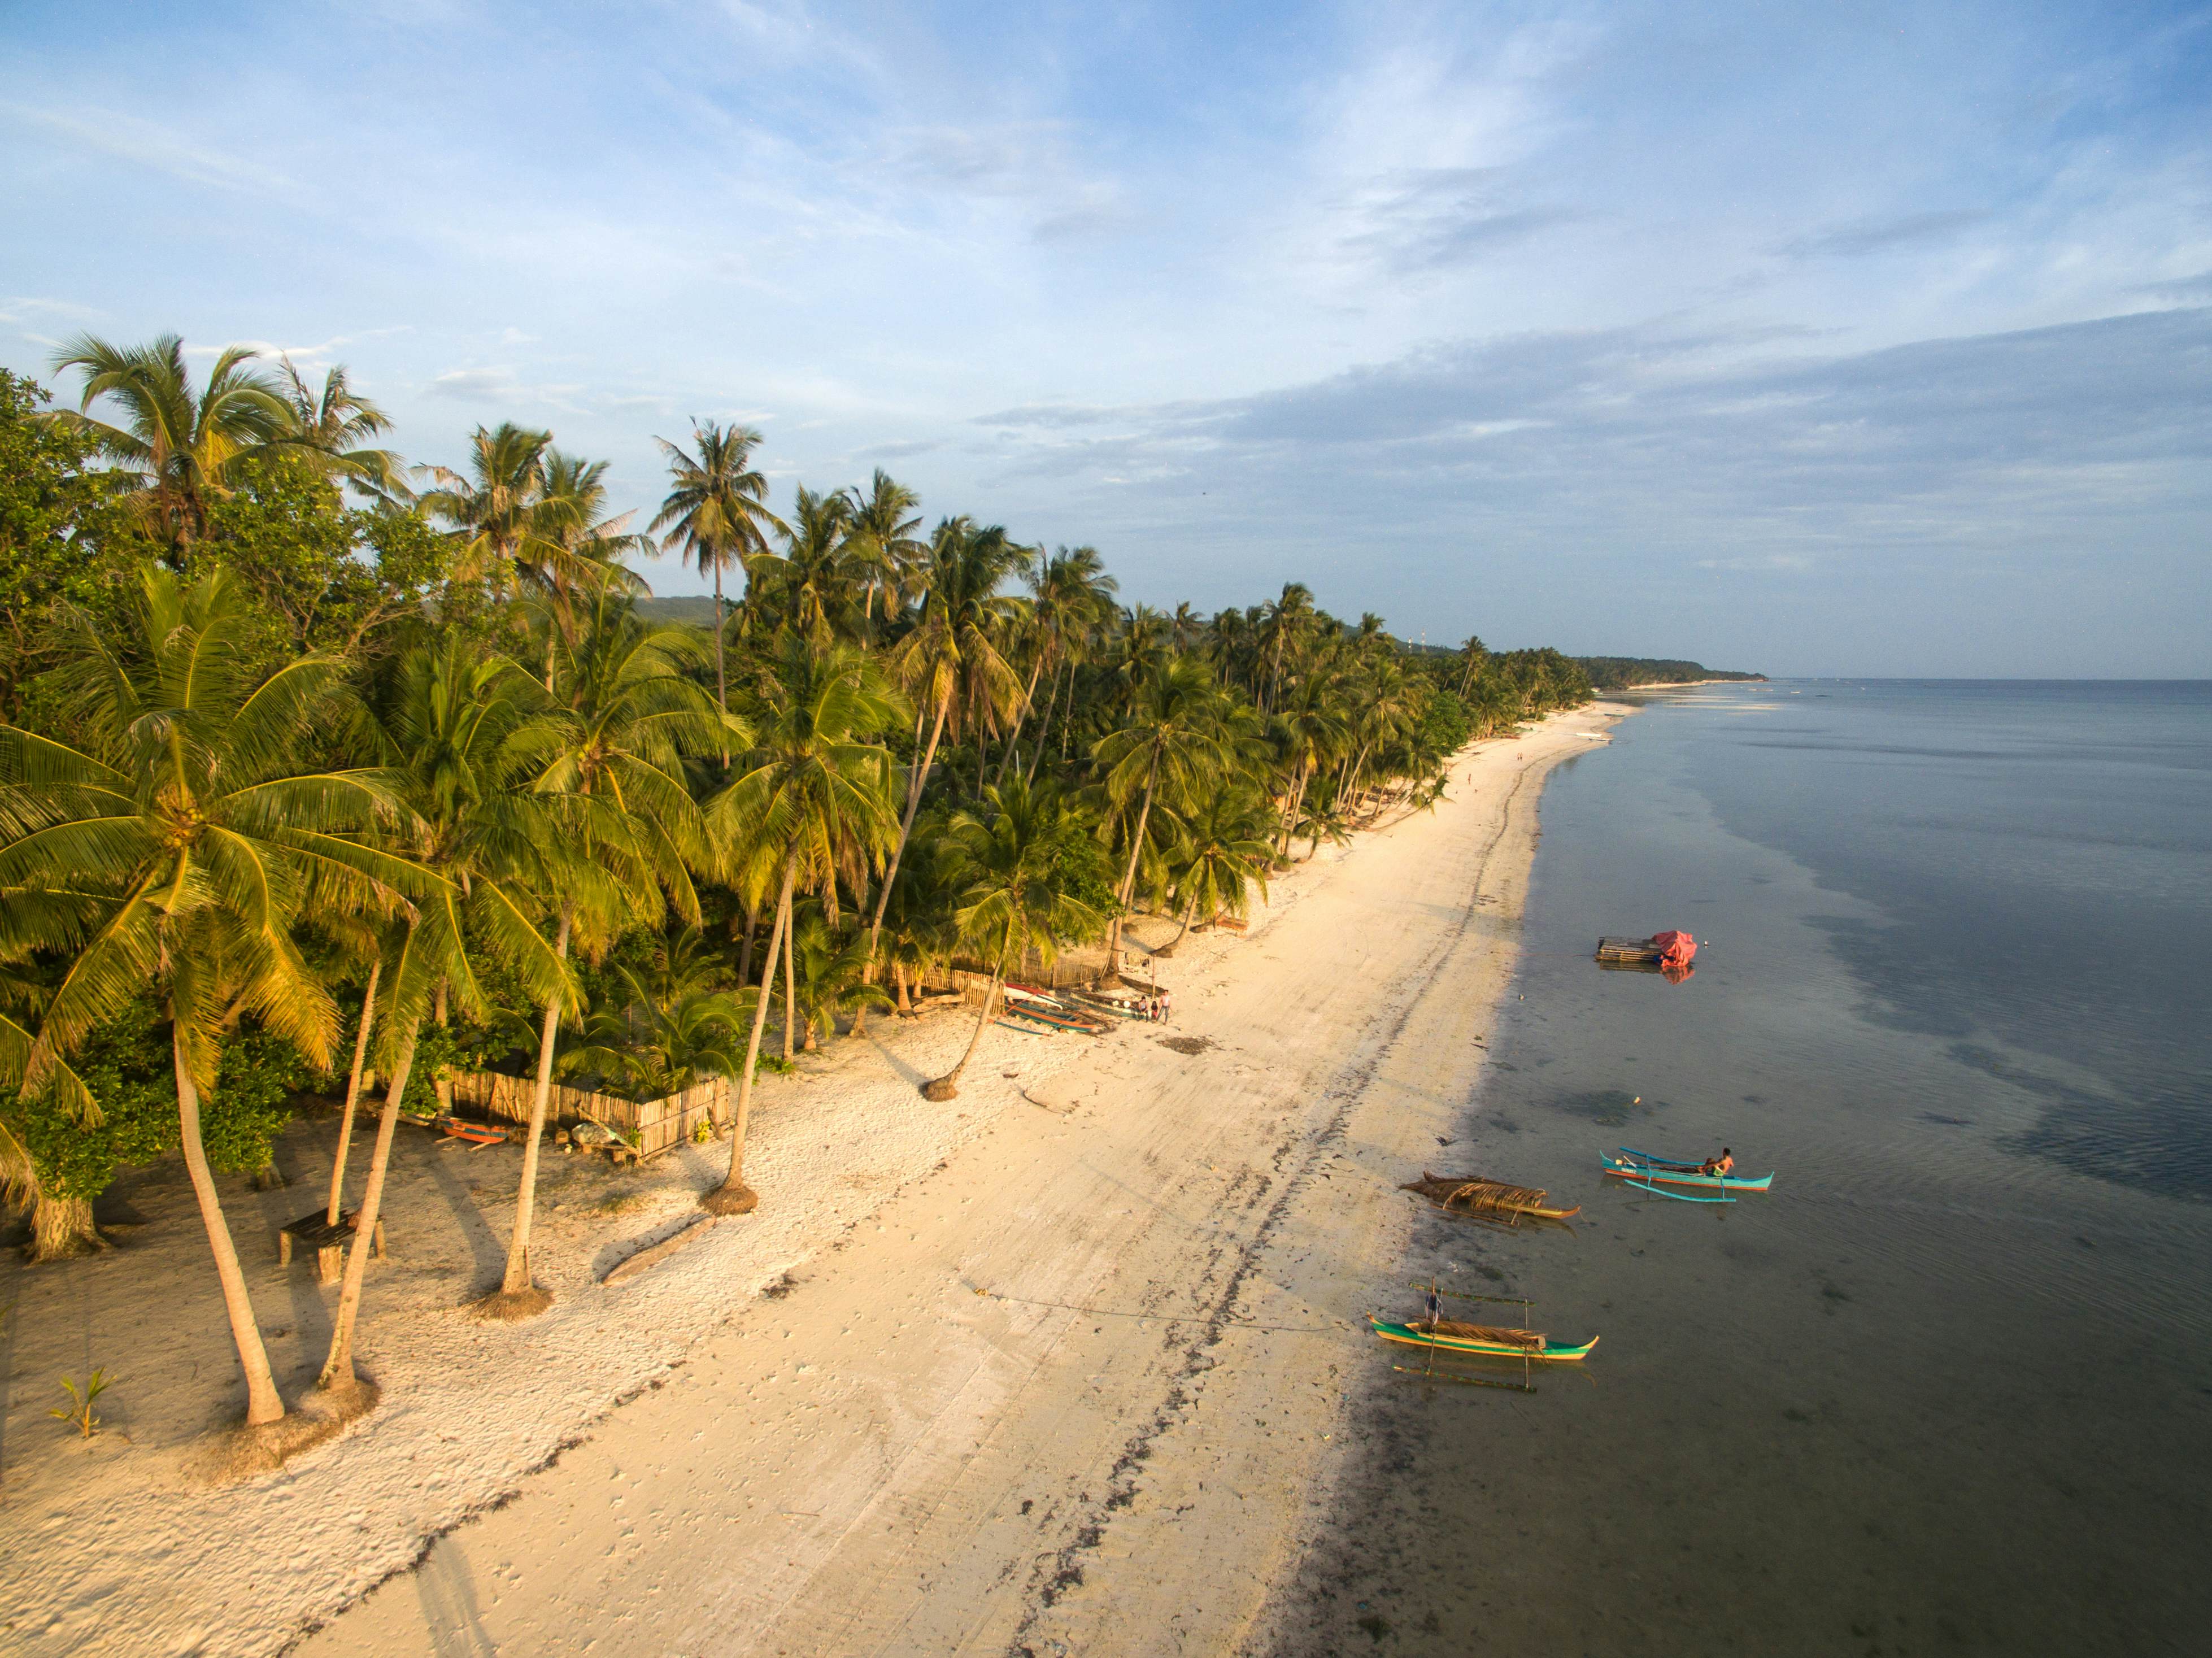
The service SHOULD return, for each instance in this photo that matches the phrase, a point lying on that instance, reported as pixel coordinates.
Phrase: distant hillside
(1620, 673)
(697, 609)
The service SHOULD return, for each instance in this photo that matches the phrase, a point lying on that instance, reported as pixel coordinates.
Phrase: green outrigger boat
(1446, 1335)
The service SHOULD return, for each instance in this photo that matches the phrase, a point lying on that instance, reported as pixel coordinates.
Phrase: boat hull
(1639, 1171)
(1552, 1353)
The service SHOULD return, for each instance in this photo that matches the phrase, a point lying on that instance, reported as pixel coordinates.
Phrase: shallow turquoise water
(1949, 1387)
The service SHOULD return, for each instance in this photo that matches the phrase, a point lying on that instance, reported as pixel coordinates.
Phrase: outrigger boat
(1021, 1002)
(1446, 1338)
(1471, 1194)
(1649, 1171)
(1449, 1336)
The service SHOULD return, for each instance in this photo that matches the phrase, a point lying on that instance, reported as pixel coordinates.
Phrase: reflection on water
(1949, 1385)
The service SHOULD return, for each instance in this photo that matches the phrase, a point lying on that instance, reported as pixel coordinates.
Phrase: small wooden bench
(328, 1242)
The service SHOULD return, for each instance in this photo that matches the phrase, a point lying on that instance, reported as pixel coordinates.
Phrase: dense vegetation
(1620, 673)
(314, 762)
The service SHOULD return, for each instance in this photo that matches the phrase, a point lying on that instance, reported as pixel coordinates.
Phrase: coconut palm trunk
(946, 1086)
(263, 1404)
(733, 1196)
(906, 828)
(1189, 910)
(1290, 815)
(745, 950)
(353, 1095)
(518, 1297)
(61, 1227)
(790, 988)
(1126, 891)
(337, 1368)
(1014, 737)
(721, 684)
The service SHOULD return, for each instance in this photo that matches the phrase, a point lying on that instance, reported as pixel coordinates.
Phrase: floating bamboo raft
(1640, 951)
(1471, 1194)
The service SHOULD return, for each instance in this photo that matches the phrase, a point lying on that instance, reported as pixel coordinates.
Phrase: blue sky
(1822, 339)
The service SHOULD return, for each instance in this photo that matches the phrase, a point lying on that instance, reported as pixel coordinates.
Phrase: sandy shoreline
(1060, 1372)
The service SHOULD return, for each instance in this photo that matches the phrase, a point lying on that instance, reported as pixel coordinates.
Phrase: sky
(1817, 339)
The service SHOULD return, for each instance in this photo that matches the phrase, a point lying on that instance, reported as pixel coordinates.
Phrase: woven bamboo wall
(653, 1126)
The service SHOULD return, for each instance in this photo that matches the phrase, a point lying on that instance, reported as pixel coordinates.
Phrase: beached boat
(1127, 1004)
(1471, 1194)
(1022, 1001)
(1489, 1341)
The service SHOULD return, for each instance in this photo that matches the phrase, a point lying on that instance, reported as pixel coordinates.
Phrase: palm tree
(1068, 593)
(656, 1045)
(489, 512)
(608, 751)
(951, 665)
(716, 513)
(817, 789)
(809, 588)
(832, 978)
(449, 717)
(1072, 605)
(1313, 725)
(1225, 852)
(179, 803)
(885, 551)
(336, 424)
(1014, 897)
(181, 443)
(1283, 621)
(1172, 741)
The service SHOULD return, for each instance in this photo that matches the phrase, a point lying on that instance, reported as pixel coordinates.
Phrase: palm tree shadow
(485, 1245)
(906, 1072)
(448, 1596)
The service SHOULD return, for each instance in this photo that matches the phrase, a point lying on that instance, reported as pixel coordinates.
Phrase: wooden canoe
(1477, 1194)
(1449, 1336)
(1665, 1176)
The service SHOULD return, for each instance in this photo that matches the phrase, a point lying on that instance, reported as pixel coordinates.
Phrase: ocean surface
(1948, 1388)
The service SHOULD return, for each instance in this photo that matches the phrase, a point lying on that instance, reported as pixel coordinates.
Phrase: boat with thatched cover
(1472, 1194)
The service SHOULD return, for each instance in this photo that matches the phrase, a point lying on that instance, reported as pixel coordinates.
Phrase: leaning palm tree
(1224, 853)
(715, 512)
(1173, 741)
(606, 757)
(951, 665)
(817, 789)
(180, 802)
(448, 717)
(1011, 863)
(182, 443)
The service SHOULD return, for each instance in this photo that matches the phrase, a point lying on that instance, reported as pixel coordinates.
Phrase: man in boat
(1720, 1165)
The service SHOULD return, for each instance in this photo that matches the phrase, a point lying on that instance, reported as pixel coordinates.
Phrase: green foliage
(79, 1415)
(1615, 673)
(128, 1067)
(48, 499)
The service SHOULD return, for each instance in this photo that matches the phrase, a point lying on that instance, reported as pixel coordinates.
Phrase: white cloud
(164, 149)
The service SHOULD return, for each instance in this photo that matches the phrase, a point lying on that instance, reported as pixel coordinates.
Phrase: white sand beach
(1054, 1367)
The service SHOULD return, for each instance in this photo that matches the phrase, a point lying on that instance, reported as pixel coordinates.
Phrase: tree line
(316, 765)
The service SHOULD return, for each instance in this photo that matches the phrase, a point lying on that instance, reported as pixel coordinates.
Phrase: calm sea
(1948, 1388)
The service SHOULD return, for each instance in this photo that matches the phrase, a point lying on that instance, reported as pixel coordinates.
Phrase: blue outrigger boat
(1647, 1172)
